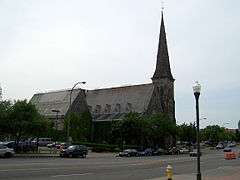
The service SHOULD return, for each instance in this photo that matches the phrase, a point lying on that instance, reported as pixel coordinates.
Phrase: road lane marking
(67, 175)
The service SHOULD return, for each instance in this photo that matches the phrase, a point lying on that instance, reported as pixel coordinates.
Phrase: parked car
(146, 152)
(56, 145)
(227, 149)
(42, 141)
(74, 151)
(232, 144)
(159, 151)
(173, 151)
(6, 152)
(128, 153)
(184, 150)
(220, 146)
(194, 153)
(21, 146)
(209, 143)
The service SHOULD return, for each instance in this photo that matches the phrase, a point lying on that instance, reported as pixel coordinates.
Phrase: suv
(5, 151)
(74, 151)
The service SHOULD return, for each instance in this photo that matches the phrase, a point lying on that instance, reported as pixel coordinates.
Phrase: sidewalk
(193, 177)
(221, 173)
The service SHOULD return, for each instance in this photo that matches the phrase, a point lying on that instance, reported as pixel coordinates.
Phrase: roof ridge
(60, 90)
(124, 86)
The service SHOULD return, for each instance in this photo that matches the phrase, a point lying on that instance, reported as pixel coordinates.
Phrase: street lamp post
(70, 103)
(196, 90)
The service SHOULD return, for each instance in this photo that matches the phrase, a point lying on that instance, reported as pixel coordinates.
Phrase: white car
(5, 151)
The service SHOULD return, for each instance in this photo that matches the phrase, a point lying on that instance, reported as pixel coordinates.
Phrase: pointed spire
(163, 69)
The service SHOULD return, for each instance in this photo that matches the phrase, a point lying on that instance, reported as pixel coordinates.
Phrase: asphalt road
(104, 167)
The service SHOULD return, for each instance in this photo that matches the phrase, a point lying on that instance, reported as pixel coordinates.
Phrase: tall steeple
(163, 69)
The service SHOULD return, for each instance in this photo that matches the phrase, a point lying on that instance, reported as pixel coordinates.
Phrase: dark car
(128, 153)
(159, 151)
(146, 152)
(21, 146)
(74, 151)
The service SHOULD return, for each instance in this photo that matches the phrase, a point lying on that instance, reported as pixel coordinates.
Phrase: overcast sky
(51, 44)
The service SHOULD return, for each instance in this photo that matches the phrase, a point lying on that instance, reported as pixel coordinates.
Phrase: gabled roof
(56, 100)
(137, 95)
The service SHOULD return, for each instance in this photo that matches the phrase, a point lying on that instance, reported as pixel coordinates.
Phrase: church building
(114, 103)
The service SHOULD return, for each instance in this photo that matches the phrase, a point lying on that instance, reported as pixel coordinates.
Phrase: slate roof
(58, 100)
(138, 96)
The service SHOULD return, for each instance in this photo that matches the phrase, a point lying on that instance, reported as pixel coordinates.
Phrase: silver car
(6, 152)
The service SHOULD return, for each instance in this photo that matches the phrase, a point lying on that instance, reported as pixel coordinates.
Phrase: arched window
(107, 109)
(117, 108)
(97, 109)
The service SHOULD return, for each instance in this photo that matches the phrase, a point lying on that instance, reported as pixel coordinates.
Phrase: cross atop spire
(162, 5)
(163, 69)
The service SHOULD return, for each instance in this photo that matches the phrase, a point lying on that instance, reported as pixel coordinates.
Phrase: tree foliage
(143, 131)
(187, 132)
(216, 133)
(80, 126)
(21, 119)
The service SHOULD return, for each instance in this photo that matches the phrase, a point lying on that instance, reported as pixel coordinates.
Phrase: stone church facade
(114, 103)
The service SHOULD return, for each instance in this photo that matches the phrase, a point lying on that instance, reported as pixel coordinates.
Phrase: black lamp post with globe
(196, 91)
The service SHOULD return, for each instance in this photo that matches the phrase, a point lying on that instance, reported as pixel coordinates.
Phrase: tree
(187, 132)
(134, 129)
(80, 126)
(24, 120)
(215, 134)
(144, 131)
(163, 130)
(5, 107)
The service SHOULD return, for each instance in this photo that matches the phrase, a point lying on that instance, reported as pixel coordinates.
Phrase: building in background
(56, 105)
(114, 103)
